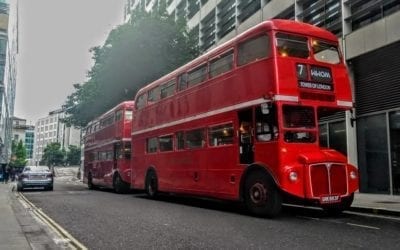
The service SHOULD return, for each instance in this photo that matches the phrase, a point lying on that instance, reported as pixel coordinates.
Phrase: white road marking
(373, 215)
(363, 226)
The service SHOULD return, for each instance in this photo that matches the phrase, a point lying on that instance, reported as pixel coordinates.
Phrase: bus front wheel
(261, 195)
(151, 184)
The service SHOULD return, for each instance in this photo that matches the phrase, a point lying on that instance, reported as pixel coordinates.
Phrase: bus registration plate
(329, 199)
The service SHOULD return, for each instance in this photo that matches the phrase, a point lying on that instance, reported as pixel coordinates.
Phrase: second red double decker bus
(241, 122)
(107, 149)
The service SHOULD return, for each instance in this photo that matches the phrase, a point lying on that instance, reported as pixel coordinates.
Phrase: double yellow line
(74, 243)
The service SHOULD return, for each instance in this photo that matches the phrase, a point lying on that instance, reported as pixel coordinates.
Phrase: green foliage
(18, 154)
(73, 155)
(53, 155)
(135, 54)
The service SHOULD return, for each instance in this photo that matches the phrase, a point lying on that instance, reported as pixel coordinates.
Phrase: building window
(193, 8)
(394, 120)
(247, 8)
(373, 154)
(207, 32)
(226, 17)
(325, 14)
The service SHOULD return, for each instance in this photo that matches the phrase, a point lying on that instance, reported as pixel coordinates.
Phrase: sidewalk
(18, 228)
(376, 203)
(11, 234)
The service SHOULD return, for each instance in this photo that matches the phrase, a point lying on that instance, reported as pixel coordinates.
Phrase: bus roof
(129, 104)
(284, 25)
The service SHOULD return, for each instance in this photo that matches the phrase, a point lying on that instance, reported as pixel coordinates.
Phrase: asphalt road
(101, 219)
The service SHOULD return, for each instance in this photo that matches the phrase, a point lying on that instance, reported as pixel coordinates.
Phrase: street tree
(18, 154)
(134, 54)
(73, 155)
(53, 155)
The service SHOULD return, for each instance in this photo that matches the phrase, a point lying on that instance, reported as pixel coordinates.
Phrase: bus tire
(261, 195)
(90, 184)
(337, 209)
(151, 184)
(120, 187)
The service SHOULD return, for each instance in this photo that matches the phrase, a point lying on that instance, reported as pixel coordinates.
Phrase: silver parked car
(35, 176)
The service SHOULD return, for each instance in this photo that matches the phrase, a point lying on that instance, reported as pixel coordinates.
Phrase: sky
(54, 40)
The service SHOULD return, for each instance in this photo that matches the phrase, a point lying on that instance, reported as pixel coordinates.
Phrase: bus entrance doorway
(246, 132)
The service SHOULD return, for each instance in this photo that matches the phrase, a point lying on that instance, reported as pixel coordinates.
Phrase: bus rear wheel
(90, 184)
(151, 184)
(120, 187)
(261, 195)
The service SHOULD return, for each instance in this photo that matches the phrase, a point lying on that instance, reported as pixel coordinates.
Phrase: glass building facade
(8, 54)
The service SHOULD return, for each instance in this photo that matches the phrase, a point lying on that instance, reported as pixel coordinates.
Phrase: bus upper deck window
(254, 49)
(325, 52)
(292, 46)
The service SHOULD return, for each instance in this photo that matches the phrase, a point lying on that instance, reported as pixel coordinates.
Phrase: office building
(25, 133)
(51, 129)
(8, 62)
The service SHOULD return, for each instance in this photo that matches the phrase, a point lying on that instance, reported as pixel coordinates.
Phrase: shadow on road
(288, 211)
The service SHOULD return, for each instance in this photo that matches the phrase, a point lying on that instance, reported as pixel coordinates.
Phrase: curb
(373, 210)
(72, 241)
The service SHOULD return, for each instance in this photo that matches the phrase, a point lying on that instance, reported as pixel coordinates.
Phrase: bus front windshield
(325, 52)
(299, 124)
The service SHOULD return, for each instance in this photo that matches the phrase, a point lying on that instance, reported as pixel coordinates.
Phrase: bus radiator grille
(328, 179)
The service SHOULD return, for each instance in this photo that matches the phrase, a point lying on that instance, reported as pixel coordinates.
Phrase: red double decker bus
(107, 149)
(241, 122)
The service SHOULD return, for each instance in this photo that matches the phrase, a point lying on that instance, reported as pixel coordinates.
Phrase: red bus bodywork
(229, 104)
(107, 148)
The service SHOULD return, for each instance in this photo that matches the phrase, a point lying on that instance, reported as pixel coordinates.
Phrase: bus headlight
(353, 175)
(293, 176)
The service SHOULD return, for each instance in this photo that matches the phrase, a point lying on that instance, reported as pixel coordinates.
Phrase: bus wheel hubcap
(258, 194)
